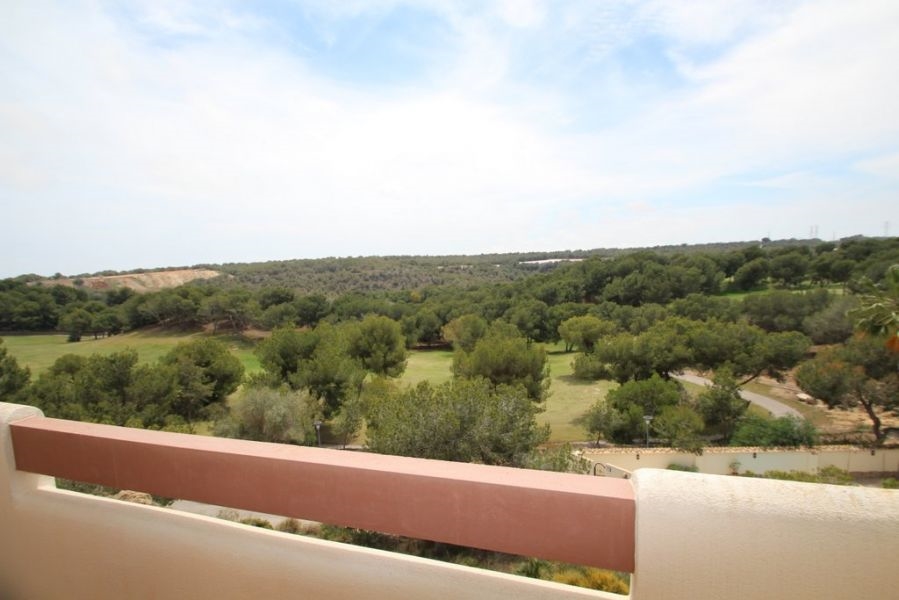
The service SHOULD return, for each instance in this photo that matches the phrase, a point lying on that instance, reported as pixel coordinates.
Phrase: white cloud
(226, 146)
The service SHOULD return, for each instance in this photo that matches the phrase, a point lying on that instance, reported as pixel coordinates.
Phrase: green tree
(530, 317)
(465, 331)
(464, 420)
(721, 405)
(680, 428)
(831, 324)
(13, 378)
(220, 369)
(95, 389)
(879, 310)
(755, 430)
(790, 268)
(635, 399)
(269, 415)
(583, 332)
(504, 357)
(281, 353)
(863, 372)
(602, 421)
(76, 322)
(751, 274)
(330, 374)
(378, 343)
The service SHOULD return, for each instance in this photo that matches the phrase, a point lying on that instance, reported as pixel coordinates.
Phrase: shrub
(290, 526)
(890, 483)
(256, 522)
(755, 430)
(685, 468)
(594, 579)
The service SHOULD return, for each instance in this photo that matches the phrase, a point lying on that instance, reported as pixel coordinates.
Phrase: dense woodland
(633, 317)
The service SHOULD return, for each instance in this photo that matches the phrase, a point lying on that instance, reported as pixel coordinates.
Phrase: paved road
(775, 407)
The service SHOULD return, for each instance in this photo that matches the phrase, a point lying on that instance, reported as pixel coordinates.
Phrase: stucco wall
(719, 460)
(59, 544)
(708, 536)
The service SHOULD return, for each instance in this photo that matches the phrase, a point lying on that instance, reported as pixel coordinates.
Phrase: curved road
(775, 407)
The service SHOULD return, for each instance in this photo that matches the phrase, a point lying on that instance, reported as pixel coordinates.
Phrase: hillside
(139, 282)
(335, 276)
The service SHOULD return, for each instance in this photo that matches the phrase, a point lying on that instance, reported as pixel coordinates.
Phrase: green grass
(39, 352)
(428, 365)
(569, 398)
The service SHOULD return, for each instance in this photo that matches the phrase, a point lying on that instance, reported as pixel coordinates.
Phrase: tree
(97, 389)
(721, 405)
(13, 378)
(751, 274)
(269, 415)
(831, 325)
(863, 372)
(755, 430)
(602, 420)
(634, 400)
(680, 428)
(530, 317)
(219, 367)
(330, 374)
(504, 357)
(378, 343)
(76, 322)
(108, 322)
(583, 332)
(464, 332)
(281, 353)
(464, 420)
(879, 310)
(781, 310)
(789, 268)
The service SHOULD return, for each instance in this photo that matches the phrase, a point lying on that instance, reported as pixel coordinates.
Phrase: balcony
(682, 535)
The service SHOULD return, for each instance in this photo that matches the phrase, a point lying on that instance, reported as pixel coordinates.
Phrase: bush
(256, 522)
(592, 578)
(685, 468)
(290, 526)
(830, 475)
(755, 430)
(890, 483)
(590, 367)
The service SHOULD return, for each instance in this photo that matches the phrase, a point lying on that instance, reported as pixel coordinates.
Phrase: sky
(170, 132)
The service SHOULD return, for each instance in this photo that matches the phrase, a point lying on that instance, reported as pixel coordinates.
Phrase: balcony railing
(682, 535)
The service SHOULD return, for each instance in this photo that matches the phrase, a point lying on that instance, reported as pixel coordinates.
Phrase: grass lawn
(428, 365)
(569, 398)
(39, 352)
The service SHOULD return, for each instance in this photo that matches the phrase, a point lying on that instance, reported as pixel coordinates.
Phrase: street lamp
(318, 431)
(647, 419)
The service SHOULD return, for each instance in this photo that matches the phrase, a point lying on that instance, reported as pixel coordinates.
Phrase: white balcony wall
(61, 544)
(713, 536)
(697, 537)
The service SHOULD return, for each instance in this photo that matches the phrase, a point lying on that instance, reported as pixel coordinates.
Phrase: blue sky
(168, 133)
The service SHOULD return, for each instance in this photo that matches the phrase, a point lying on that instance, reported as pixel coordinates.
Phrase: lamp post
(647, 419)
(318, 431)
